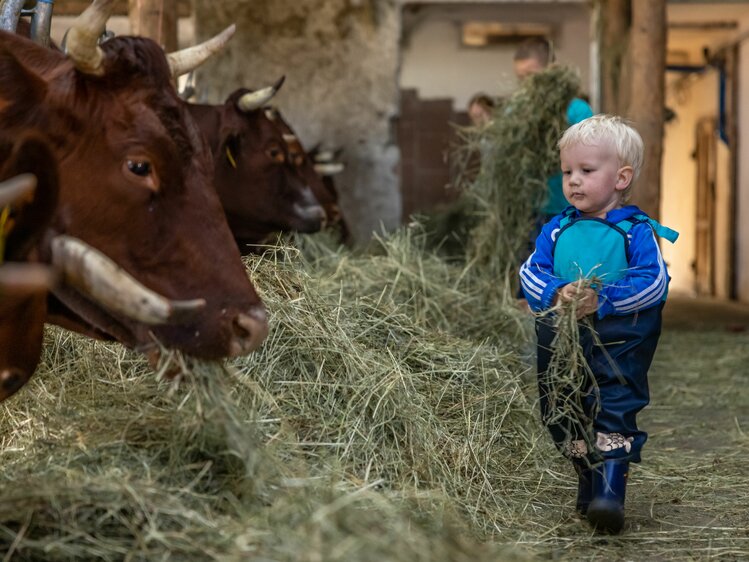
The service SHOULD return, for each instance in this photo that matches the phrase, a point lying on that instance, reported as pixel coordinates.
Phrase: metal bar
(10, 11)
(41, 22)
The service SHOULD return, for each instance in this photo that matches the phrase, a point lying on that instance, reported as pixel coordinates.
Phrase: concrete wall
(438, 66)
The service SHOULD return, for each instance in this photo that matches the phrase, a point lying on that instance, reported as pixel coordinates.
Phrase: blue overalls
(596, 249)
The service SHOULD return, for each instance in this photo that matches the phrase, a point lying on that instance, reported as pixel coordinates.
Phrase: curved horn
(16, 188)
(186, 60)
(21, 279)
(107, 284)
(81, 44)
(256, 100)
(324, 156)
(329, 168)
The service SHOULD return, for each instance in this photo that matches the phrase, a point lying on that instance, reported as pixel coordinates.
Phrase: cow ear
(21, 90)
(31, 154)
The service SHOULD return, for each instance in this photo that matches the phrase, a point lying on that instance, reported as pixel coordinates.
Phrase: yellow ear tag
(4, 215)
(231, 158)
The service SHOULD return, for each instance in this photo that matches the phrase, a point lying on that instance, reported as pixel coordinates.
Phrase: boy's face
(593, 179)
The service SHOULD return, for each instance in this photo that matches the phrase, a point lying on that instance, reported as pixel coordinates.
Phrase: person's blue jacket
(643, 285)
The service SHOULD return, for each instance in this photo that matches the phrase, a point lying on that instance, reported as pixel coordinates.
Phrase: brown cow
(28, 202)
(256, 178)
(135, 183)
(317, 174)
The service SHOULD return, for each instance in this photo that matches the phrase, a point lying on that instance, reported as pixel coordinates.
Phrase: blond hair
(622, 137)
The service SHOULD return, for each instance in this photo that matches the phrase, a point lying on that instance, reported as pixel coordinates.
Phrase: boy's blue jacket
(643, 285)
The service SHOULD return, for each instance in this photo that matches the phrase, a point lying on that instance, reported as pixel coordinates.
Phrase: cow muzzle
(11, 380)
(311, 218)
(250, 330)
(105, 283)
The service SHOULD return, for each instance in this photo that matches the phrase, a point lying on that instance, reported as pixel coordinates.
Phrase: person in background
(480, 109)
(602, 255)
(532, 56)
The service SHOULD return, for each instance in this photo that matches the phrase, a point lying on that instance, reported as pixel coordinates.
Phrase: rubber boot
(584, 487)
(606, 509)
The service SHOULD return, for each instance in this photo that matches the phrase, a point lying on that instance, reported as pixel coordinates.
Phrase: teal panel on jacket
(590, 248)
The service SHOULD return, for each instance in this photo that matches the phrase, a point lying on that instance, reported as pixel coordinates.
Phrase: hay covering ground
(390, 416)
(355, 434)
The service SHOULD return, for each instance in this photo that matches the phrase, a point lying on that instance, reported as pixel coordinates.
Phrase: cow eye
(140, 171)
(277, 155)
(140, 168)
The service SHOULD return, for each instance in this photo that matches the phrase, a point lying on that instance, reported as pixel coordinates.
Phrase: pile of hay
(356, 433)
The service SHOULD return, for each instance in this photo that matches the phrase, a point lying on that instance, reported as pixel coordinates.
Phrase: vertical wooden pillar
(647, 54)
(614, 25)
(156, 19)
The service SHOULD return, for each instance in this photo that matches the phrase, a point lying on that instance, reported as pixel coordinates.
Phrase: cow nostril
(10, 381)
(249, 331)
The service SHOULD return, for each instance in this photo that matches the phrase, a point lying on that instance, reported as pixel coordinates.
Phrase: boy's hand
(585, 297)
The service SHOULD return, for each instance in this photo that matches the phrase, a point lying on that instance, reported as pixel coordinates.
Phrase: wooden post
(614, 25)
(647, 54)
(156, 19)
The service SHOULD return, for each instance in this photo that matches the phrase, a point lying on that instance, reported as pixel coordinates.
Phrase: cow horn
(81, 43)
(186, 60)
(255, 100)
(324, 156)
(16, 188)
(329, 168)
(22, 279)
(106, 283)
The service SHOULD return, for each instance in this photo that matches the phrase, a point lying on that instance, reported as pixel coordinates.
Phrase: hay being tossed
(518, 153)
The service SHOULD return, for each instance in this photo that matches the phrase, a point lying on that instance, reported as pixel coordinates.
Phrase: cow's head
(257, 179)
(317, 174)
(136, 184)
(26, 205)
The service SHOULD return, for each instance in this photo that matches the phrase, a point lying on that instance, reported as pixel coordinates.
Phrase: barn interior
(391, 413)
(412, 66)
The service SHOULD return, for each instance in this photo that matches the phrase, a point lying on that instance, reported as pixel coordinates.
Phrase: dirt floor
(689, 499)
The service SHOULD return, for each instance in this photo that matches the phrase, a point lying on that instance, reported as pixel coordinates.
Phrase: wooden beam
(155, 19)
(75, 7)
(647, 57)
(615, 21)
